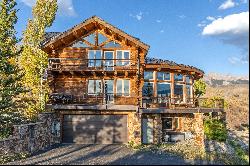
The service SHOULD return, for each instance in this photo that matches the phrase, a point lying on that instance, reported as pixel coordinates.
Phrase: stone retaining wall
(32, 137)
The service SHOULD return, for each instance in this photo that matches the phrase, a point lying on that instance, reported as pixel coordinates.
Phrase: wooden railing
(75, 64)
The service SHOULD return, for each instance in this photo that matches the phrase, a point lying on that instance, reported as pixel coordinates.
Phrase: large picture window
(122, 87)
(163, 76)
(163, 89)
(123, 57)
(95, 58)
(178, 90)
(147, 89)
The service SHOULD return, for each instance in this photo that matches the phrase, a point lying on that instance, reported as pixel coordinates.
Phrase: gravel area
(73, 154)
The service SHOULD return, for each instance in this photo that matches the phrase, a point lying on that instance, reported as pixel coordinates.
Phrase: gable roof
(56, 37)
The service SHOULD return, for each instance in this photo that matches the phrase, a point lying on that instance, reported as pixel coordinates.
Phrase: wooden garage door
(95, 129)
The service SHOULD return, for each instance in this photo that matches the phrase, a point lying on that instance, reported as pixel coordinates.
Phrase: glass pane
(79, 44)
(178, 77)
(160, 75)
(148, 75)
(109, 63)
(178, 90)
(147, 89)
(163, 89)
(126, 58)
(167, 123)
(112, 44)
(110, 84)
(166, 76)
(119, 58)
(101, 38)
(188, 90)
(187, 79)
(126, 87)
(91, 55)
(98, 56)
(119, 87)
(91, 85)
(91, 38)
(98, 85)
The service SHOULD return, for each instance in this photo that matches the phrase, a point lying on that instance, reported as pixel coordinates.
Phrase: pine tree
(10, 75)
(34, 60)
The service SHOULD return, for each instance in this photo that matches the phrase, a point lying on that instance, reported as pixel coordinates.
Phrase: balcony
(92, 101)
(80, 64)
(175, 105)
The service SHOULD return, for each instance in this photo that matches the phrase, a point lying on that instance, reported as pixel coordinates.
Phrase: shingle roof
(149, 60)
(49, 36)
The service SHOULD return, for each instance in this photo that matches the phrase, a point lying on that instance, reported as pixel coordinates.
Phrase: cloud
(158, 21)
(201, 25)
(236, 60)
(210, 18)
(232, 29)
(65, 7)
(162, 31)
(182, 16)
(227, 4)
(138, 16)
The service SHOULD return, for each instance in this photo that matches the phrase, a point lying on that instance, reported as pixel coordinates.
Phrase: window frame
(147, 80)
(164, 83)
(95, 50)
(123, 87)
(104, 58)
(95, 93)
(178, 80)
(116, 54)
(164, 72)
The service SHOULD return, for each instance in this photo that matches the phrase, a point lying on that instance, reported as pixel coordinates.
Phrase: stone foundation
(32, 137)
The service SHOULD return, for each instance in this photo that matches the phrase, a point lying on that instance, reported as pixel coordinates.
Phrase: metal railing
(90, 64)
(92, 99)
(167, 102)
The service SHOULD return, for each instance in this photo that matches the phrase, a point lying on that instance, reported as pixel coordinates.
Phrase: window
(178, 77)
(112, 44)
(109, 60)
(188, 79)
(122, 87)
(94, 87)
(147, 89)
(167, 123)
(90, 38)
(110, 86)
(163, 89)
(163, 76)
(122, 57)
(178, 90)
(95, 58)
(101, 38)
(79, 44)
(148, 75)
(188, 87)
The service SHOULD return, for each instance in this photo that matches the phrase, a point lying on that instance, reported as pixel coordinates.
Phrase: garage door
(95, 129)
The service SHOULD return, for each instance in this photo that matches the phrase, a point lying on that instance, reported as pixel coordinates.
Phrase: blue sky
(209, 34)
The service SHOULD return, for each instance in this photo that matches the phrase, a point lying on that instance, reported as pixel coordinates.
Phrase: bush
(215, 129)
(5, 132)
(9, 158)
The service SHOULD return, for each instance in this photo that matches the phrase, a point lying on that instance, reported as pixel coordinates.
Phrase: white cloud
(158, 21)
(65, 7)
(244, 1)
(210, 18)
(162, 31)
(201, 25)
(236, 60)
(232, 29)
(182, 16)
(137, 16)
(227, 4)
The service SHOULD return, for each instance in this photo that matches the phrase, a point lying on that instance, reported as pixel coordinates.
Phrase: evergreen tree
(10, 75)
(34, 60)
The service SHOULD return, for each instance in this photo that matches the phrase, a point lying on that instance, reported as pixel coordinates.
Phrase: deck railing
(144, 102)
(91, 64)
(167, 102)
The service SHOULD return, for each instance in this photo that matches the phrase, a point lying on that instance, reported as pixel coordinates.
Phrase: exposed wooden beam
(88, 43)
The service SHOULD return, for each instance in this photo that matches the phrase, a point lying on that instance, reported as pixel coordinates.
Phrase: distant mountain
(216, 79)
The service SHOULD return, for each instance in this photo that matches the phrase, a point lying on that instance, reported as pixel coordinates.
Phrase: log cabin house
(106, 90)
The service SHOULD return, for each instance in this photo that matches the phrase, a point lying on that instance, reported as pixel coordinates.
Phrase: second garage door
(95, 129)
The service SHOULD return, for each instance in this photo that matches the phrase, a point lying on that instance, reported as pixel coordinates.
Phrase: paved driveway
(102, 154)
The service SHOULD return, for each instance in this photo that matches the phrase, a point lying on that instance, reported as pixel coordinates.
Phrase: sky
(212, 35)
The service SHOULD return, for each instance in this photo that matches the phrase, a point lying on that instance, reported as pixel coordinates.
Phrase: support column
(157, 129)
(199, 129)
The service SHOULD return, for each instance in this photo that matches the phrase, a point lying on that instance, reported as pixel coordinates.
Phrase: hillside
(237, 97)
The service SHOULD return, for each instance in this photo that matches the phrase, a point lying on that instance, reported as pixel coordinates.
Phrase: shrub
(215, 129)
(5, 132)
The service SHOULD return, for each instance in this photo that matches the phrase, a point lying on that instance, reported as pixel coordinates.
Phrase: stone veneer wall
(134, 128)
(32, 137)
(192, 123)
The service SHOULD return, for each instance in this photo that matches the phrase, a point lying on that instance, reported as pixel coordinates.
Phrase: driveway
(102, 155)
